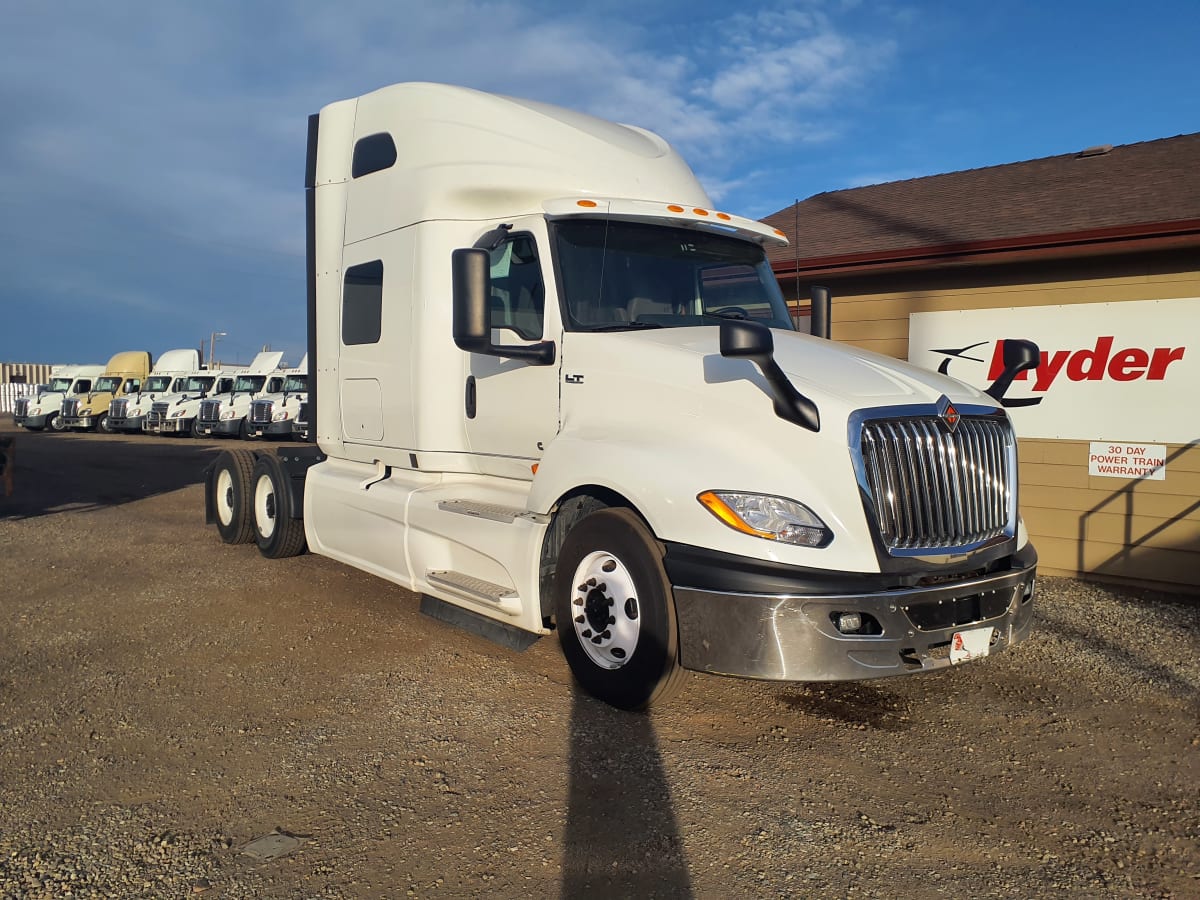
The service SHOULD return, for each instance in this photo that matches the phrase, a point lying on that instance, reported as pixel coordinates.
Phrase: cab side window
(362, 304)
(518, 293)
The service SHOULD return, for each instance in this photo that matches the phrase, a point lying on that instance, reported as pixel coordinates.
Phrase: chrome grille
(260, 412)
(118, 409)
(21, 407)
(70, 408)
(931, 488)
(158, 413)
(210, 410)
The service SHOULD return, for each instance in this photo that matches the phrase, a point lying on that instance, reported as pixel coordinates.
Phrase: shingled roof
(1126, 197)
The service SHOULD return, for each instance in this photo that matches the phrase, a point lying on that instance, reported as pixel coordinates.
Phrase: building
(19, 380)
(1093, 255)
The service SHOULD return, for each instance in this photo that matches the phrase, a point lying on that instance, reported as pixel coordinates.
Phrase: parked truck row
(173, 395)
(554, 390)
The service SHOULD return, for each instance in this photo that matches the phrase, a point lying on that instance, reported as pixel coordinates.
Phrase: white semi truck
(554, 389)
(168, 377)
(223, 413)
(179, 413)
(44, 409)
(280, 414)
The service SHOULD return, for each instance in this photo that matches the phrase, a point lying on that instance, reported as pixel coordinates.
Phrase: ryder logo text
(1093, 364)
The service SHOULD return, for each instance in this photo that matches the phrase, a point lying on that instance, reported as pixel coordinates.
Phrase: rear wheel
(276, 532)
(231, 495)
(615, 613)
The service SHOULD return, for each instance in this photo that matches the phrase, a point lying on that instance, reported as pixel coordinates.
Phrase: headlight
(227, 414)
(764, 516)
(281, 416)
(178, 413)
(35, 411)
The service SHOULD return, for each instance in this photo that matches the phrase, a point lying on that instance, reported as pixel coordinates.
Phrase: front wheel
(615, 613)
(276, 532)
(55, 422)
(102, 424)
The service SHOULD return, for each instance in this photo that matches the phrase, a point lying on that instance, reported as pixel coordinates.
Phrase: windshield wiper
(626, 326)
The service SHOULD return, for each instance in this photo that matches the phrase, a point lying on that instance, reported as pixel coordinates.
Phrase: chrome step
(494, 512)
(474, 588)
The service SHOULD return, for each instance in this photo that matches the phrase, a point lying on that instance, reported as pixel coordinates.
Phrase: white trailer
(554, 389)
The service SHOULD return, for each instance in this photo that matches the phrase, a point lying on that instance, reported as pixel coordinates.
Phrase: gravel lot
(180, 717)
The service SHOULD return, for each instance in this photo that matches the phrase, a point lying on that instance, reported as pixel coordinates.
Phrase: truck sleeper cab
(566, 406)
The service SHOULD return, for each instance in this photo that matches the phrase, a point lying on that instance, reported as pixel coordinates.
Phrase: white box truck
(167, 377)
(44, 409)
(554, 389)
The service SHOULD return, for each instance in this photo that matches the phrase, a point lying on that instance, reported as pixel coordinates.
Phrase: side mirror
(1019, 356)
(472, 328)
(743, 339)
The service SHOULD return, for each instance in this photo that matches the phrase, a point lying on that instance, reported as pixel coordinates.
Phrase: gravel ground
(179, 718)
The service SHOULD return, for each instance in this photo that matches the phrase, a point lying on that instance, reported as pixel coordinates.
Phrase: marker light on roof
(700, 212)
(674, 208)
(588, 203)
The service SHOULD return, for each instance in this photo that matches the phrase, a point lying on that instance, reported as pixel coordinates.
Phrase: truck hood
(843, 376)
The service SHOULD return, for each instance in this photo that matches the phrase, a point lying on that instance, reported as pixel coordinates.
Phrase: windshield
(249, 382)
(157, 383)
(107, 385)
(296, 383)
(60, 384)
(626, 275)
(198, 383)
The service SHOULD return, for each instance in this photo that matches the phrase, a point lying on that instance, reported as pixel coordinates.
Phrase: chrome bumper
(795, 637)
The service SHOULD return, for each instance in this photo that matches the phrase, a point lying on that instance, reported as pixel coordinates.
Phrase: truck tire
(55, 422)
(615, 613)
(232, 497)
(102, 425)
(194, 429)
(277, 534)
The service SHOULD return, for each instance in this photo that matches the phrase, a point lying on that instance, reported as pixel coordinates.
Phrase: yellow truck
(123, 375)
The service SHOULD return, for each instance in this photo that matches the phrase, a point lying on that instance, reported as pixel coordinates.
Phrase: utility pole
(212, 344)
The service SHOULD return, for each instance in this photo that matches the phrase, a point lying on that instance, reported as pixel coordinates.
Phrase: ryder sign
(1107, 372)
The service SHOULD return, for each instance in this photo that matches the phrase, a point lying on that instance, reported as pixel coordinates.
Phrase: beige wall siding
(1147, 532)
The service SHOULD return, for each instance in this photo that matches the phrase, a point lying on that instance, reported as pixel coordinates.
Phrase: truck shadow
(622, 839)
(853, 703)
(78, 472)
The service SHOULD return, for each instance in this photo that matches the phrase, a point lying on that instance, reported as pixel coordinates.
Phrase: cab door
(511, 405)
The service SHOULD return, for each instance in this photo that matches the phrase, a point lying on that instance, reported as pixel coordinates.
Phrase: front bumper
(170, 426)
(35, 422)
(226, 427)
(79, 421)
(791, 635)
(129, 423)
(275, 428)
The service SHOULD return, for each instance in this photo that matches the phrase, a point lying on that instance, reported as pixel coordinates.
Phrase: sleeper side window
(373, 153)
(362, 303)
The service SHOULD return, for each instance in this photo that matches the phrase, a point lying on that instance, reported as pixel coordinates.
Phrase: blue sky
(152, 153)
